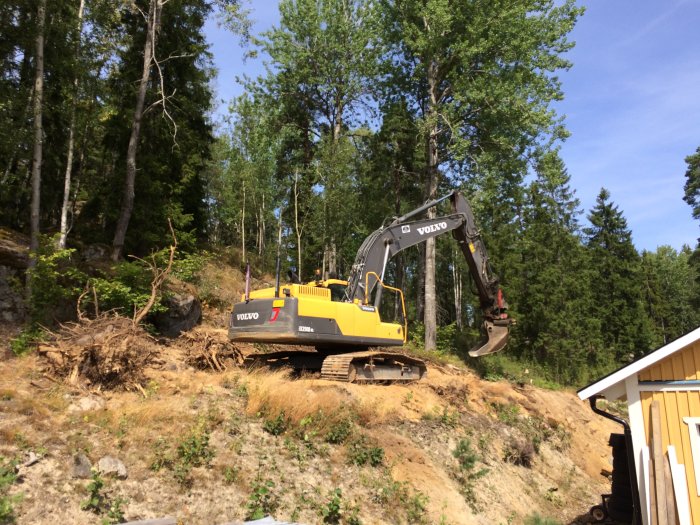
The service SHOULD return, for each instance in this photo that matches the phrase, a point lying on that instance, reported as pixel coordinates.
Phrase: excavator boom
(378, 248)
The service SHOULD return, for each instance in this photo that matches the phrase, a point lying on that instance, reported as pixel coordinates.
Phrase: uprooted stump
(109, 352)
(207, 351)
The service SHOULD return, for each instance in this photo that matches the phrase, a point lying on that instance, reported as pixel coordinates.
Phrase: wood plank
(670, 497)
(657, 455)
(652, 495)
(680, 488)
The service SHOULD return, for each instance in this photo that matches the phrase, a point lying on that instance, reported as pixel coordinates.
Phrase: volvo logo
(432, 228)
(248, 316)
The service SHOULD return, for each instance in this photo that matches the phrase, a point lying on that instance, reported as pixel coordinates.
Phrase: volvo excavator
(341, 318)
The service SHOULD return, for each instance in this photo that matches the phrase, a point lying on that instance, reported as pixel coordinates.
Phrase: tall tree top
(608, 230)
(692, 183)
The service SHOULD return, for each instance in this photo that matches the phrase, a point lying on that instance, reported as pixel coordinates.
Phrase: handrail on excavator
(391, 288)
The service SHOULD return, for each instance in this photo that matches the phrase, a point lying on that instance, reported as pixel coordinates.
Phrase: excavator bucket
(497, 338)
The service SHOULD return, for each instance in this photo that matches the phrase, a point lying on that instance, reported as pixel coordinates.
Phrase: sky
(631, 103)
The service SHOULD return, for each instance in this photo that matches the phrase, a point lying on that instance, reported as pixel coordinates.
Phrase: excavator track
(370, 366)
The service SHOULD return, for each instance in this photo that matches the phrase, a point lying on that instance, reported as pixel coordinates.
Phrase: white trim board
(638, 366)
(694, 430)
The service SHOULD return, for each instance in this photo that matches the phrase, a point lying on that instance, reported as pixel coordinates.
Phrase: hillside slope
(216, 446)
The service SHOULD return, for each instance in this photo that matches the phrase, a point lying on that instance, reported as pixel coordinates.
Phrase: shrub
(276, 426)
(339, 431)
(194, 450)
(262, 500)
(331, 510)
(96, 498)
(27, 339)
(55, 281)
(361, 452)
(7, 477)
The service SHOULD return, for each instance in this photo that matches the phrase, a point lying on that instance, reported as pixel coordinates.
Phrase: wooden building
(662, 391)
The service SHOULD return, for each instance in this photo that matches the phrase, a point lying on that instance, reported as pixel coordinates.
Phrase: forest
(366, 110)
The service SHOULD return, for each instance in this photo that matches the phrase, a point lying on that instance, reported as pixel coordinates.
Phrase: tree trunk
(297, 229)
(243, 227)
(128, 197)
(430, 312)
(38, 135)
(457, 289)
(71, 135)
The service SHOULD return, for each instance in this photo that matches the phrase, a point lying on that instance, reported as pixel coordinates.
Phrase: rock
(31, 459)
(85, 404)
(184, 312)
(12, 306)
(96, 252)
(14, 249)
(82, 468)
(109, 466)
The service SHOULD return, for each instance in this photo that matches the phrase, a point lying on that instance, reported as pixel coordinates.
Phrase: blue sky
(632, 104)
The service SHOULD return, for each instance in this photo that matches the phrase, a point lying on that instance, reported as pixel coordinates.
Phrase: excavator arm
(378, 248)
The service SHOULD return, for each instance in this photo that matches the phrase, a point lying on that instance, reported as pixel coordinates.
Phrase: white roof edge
(637, 366)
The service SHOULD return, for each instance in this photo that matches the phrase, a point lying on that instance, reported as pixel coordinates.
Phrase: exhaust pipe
(497, 333)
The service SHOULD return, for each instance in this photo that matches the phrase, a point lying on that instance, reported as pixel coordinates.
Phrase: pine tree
(552, 281)
(616, 284)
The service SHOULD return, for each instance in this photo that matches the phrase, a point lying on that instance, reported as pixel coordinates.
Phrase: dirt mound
(109, 352)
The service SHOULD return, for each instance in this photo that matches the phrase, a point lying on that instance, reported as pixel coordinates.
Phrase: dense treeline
(367, 109)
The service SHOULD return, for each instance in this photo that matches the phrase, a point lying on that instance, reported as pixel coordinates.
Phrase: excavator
(341, 318)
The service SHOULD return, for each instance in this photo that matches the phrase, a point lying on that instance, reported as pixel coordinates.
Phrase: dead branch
(159, 277)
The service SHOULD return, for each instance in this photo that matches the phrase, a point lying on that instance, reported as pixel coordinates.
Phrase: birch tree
(481, 76)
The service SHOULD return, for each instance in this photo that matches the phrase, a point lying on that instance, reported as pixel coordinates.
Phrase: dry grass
(273, 393)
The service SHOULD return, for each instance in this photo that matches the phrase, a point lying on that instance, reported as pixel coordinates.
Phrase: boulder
(109, 466)
(184, 311)
(82, 468)
(85, 404)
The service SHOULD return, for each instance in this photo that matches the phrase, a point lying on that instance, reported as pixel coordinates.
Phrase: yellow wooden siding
(674, 407)
(681, 365)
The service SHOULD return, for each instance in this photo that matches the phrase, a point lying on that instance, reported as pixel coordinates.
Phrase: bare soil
(189, 398)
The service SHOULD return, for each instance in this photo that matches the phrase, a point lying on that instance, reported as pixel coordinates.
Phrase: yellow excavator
(341, 319)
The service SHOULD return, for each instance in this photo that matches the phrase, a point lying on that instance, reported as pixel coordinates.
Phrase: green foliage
(467, 459)
(162, 459)
(339, 431)
(362, 451)
(187, 267)
(8, 476)
(56, 282)
(115, 513)
(399, 501)
(26, 340)
(617, 292)
(95, 501)
(125, 288)
(231, 474)
(465, 455)
(192, 451)
(537, 519)
(277, 425)
(507, 413)
(262, 499)
(331, 511)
